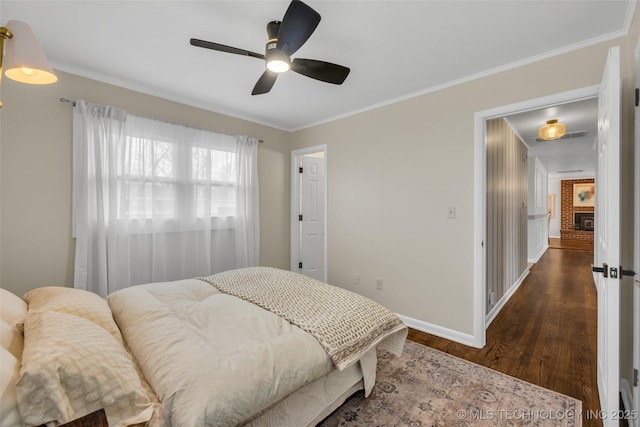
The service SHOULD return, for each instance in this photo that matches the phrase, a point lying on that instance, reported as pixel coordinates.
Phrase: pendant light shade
(552, 130)
(24, 59)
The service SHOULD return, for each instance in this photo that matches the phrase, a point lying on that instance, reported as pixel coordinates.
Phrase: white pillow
(78, 302)
(13, 309)
(11, 339)
(72, 367)
(9, 369)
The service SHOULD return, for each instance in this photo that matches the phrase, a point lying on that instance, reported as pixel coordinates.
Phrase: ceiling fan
(285, 38)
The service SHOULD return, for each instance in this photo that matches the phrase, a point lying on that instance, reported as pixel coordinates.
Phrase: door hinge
(300, 217)
(637, 97)
(300, 169)
(300, 265)
(635, 378)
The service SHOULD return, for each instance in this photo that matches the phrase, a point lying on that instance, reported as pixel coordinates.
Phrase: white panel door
(312, 209)
(607, 235)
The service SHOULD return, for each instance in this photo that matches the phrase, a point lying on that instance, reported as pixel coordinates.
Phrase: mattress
(200, 348)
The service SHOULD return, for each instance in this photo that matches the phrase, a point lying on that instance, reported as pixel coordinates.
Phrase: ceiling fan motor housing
(272, 30)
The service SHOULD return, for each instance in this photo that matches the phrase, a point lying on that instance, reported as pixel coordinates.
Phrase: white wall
(554, 187)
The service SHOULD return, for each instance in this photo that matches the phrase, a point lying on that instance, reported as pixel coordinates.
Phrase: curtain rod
(70, 101)
(73, 102)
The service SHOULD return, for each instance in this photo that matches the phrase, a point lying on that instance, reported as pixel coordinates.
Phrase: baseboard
(627, 401)
(537, 258)
(496, 308)
(439, 331)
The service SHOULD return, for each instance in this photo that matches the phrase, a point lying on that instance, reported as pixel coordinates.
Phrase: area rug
(426, 387)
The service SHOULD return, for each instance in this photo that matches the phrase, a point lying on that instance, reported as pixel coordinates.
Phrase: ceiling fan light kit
(285, 38)
(552, 130)
(276, 60)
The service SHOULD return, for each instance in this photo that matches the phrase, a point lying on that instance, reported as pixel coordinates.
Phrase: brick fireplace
(576, 223)
(583, 221)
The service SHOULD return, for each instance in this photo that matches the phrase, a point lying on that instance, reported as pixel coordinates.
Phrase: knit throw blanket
(346, 324)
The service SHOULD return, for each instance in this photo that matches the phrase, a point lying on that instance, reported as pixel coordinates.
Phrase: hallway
(546, 333)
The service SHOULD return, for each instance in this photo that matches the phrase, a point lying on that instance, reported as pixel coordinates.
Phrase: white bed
(185, 353)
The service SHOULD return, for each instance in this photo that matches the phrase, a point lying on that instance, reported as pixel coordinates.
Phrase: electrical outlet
(356, 279)
(379, 284)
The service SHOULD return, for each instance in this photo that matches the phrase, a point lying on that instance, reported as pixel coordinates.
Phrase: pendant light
(552, 130)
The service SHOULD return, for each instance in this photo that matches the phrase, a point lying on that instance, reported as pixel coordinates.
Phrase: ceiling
(566, 157)
(395, 49)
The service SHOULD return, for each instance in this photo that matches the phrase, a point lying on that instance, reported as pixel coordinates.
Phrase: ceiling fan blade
(320, 70)
(224, 48)
(264, 83)
(299, 22)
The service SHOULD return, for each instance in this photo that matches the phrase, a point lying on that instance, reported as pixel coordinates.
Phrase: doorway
(607, 199)
(480, 268)
(309, 212)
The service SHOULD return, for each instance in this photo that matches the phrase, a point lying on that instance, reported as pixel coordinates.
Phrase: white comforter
(212, 358)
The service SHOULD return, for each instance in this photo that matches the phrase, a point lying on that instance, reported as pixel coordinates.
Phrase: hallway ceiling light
(552, 130)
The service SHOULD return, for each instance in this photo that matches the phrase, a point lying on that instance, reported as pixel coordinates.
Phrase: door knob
(604, 269)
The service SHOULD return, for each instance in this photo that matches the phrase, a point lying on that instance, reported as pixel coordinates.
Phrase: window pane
(223, 201)
(147, 158)
(200, 163)
(223, 166)
(212, 165)
(215, 200)
(146, 200)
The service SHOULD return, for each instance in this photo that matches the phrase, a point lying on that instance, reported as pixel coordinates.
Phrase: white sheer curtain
(155, 201)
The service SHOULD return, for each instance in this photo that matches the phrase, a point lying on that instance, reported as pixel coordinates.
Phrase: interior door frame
(480, 194)
(295, 204)
(636, 241)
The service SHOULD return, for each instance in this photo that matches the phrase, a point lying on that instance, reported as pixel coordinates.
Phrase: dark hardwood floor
(546, 333)
(570, 244)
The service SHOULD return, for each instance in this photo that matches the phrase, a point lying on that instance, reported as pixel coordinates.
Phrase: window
(162, 180)
(147, 180)
(156, 201)
(213, 173)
